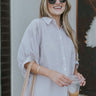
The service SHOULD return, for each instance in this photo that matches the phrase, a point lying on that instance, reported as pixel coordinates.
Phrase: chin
(57, 13)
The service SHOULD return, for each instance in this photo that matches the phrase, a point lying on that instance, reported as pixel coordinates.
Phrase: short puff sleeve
(29, 46)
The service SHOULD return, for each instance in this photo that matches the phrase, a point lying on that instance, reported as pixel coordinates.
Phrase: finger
(80, 76)
(81, 84)
(62, 84)
(65, 81)
(84, 83)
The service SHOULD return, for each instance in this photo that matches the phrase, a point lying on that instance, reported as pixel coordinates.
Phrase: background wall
(22, 12)
(87, 51)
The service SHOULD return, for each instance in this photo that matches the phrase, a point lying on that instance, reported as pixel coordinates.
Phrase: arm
(83, 82)
(42, 71)
(58, 78)
(75, 70)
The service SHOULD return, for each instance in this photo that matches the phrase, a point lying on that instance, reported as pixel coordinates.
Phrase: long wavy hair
(63, 20)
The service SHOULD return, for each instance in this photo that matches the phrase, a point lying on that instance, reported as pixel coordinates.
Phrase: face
(56, 7)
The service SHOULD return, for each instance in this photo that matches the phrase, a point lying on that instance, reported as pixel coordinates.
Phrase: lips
(57, 7)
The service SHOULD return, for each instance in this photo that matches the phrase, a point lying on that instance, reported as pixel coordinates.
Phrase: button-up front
(50, 47)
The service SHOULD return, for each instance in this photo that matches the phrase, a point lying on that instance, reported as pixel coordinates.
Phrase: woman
(49, 41)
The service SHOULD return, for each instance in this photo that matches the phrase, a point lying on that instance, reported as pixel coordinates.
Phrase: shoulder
(35, 23)
(33, 27)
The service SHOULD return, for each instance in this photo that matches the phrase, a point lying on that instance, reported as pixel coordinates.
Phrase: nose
(57, 1)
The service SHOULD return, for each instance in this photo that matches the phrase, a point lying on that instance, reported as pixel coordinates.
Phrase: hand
(80, 76)
(60, 79)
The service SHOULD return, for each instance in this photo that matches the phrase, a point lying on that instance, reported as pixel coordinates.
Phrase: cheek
(49, 7)
(64, 5)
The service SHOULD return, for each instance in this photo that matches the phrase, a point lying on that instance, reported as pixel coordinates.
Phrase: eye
(52, 1)
(62, 1)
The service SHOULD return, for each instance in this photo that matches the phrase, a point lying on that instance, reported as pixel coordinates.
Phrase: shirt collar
(47, 19)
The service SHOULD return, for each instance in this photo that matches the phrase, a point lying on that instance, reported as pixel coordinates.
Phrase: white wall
(22, 12)
(72, 14)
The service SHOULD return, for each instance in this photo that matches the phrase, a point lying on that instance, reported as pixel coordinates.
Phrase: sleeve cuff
(77, 64)
(28, 59)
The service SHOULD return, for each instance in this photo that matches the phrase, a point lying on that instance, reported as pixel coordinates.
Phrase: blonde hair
(64, 21)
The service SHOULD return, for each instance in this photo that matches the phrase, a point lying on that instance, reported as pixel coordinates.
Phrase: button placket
(62, 50)
(60, 37)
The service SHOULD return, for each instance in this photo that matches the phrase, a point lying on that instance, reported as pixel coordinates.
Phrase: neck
(57, 19)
